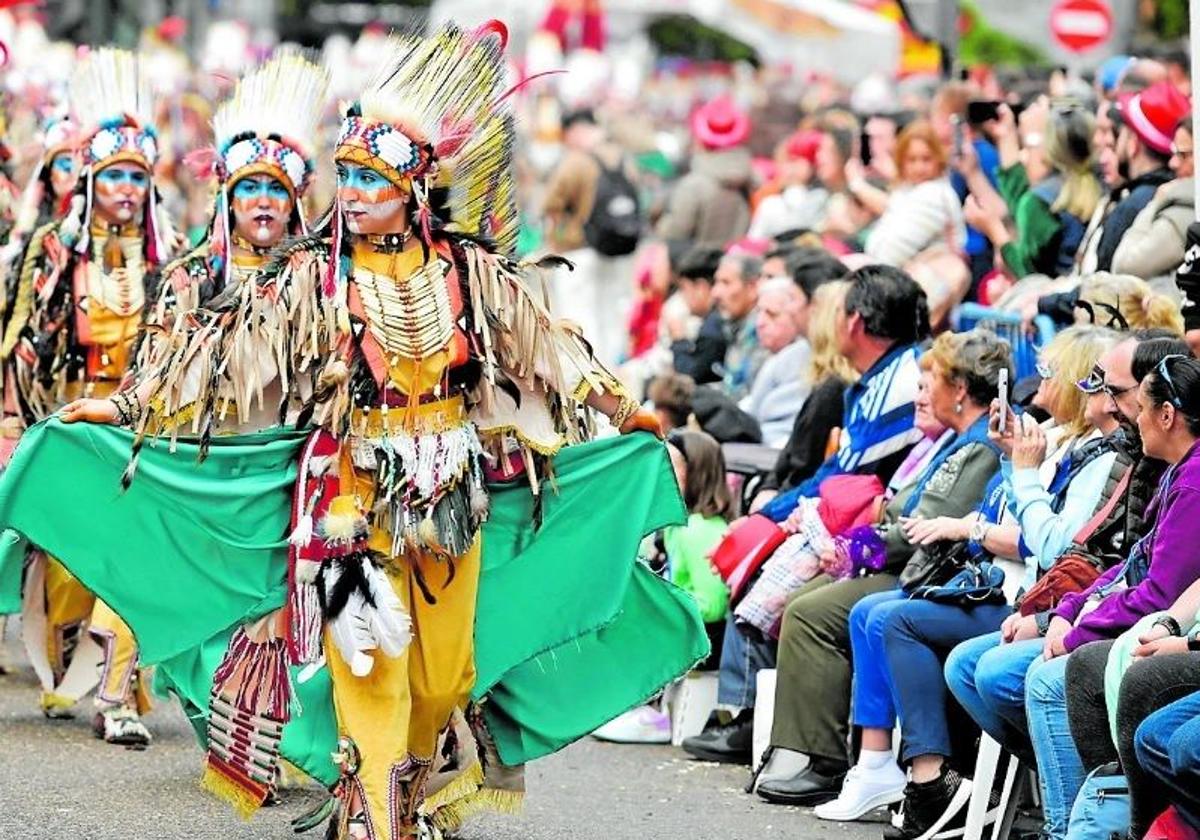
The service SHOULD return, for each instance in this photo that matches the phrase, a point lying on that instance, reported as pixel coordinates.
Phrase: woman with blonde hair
(1125, 302)
(1048, 185)
(829, 373)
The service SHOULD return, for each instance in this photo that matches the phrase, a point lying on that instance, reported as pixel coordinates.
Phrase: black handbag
(934, 565)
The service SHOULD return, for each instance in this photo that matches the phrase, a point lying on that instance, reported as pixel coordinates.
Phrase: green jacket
(1036, 225)
(688, 547)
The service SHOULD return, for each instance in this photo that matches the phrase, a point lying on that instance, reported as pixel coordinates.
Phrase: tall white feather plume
(109, 84)
(391, 625)
(285, 96)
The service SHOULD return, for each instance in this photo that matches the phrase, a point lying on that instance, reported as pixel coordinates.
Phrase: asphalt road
(58, 782)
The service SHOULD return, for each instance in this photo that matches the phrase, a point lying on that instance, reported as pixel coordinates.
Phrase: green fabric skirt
(570, 629)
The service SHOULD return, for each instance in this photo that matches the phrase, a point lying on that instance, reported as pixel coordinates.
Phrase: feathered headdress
(113, 105)
(60, 136)
(268, 125)
(436, 116)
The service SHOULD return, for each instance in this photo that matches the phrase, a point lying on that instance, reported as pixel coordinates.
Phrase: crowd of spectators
(926, 538)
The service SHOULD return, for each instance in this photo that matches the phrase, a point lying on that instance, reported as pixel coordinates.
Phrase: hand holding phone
(1002, 393)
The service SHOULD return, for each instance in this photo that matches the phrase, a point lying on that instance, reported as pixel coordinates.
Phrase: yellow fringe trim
(236, 796)
(452, 817)
(462, 785)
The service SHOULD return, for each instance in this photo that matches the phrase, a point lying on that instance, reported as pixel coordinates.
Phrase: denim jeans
(871, 704)
(988, 680)
(1060, 768)
(899, 648)
(1168, 746)
(742, 657)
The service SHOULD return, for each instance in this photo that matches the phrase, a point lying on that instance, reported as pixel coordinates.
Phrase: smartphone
(864, 148)
(1002, 389)
(982, 110)
(958, 136)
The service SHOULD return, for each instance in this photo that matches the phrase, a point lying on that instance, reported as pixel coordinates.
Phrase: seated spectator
(812, 696)
(795, 200)
(1048, 186)
(700, 357)
(828, 374)
(1159, 567)
(779, 390)
(671, 396)
(879, 324)
(700, 472)
(1143, 149)
(922, 210)
(1163, 671)
(735, 293)
(1153, 248)
(898, 644)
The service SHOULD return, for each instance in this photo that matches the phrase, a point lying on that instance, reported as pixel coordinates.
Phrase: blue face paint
(64, 164)
(249, 189)
(360, 178)
(115, 177)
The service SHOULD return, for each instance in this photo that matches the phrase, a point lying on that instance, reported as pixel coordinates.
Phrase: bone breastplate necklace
(411, 316)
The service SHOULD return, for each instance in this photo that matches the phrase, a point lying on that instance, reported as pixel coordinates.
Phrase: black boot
(933, 810)
(730, 743)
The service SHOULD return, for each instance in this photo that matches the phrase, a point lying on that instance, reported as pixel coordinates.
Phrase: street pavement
(57, 782)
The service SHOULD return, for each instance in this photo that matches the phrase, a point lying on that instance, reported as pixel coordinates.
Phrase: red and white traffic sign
(1081, 25)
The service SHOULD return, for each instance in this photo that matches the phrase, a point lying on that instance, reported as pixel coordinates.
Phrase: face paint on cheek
(120, 195)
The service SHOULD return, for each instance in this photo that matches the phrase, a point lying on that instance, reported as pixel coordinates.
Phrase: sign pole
(1194, 48)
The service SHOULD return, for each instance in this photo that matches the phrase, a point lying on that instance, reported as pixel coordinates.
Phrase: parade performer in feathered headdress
(263, 159)
(75, 314)
(439, 390)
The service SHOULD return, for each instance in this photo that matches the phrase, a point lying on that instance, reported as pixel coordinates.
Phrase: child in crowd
(700, 470)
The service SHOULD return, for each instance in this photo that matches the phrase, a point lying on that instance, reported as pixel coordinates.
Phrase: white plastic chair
(986, 765)
(689, 702)
(764, 713)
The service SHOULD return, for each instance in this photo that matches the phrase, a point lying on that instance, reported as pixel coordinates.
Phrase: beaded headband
(381, 146)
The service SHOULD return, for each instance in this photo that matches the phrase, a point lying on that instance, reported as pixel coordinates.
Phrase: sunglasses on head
(1095, 382)
(1164, 372)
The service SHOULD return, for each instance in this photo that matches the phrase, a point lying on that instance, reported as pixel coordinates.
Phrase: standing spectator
(1154, 247)
(1049, 187)
(735, 292)
(710, 205)
(779, 390)
(1143, 149)
(597, 294)
(702, 357)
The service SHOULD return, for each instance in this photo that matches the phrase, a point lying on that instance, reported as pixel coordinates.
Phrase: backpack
(615, 223)
(1101, 810)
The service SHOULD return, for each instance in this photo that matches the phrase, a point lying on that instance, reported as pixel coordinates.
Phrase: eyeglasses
(1045, 371)
(1163, 372)
(1095, 382)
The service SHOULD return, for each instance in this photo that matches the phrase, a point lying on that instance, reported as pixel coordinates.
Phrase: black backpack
(615, 224)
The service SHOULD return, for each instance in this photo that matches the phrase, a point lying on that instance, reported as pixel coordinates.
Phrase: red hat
(1154, 113)
(803, 145)
(720, 124)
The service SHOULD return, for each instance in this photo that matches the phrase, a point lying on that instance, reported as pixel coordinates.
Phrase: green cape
(570, 630)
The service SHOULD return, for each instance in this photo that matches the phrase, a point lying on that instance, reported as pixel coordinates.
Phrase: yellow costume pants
(395, 714)
(68, 605)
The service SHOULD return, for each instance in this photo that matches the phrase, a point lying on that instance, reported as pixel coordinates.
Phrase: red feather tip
(493, 27)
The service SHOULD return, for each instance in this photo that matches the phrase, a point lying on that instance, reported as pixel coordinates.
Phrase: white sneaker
(643, 725)
(864, 790)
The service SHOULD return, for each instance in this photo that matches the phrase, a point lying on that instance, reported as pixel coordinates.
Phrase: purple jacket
(1174, 563)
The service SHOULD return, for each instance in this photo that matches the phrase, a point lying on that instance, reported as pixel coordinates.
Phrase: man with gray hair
(779, 390)
(735, 291)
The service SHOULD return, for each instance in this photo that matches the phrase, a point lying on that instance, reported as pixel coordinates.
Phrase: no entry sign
(1081, 25)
